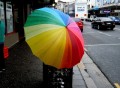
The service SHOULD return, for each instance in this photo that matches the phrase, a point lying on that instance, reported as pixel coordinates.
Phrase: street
(103, 46)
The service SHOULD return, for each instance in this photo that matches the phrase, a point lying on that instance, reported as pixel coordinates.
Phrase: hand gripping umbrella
(54, 38)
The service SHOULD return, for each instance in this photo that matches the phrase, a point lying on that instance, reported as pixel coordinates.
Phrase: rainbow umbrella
(54, 38)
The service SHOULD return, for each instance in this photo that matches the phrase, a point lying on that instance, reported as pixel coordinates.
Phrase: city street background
(103, 46)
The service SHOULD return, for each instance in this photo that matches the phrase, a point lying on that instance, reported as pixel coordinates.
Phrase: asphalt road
(103, 46)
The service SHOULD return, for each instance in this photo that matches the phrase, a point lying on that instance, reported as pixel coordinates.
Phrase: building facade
(15, 13)
(111, 7)
(104, 7)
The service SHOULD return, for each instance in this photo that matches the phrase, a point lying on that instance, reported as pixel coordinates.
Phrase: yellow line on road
(117, 85)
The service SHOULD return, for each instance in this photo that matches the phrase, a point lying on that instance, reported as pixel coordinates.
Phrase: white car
(92, 17)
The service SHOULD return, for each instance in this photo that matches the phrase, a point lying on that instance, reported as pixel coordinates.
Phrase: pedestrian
(2, 38)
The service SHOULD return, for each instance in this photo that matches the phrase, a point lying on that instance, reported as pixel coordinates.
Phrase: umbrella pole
(57, 78)
(45, 75)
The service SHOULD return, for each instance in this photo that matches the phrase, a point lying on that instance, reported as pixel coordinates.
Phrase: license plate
(108, 23)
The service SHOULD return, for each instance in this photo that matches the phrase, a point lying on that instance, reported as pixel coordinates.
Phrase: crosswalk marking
(104, 33)
(104, 44)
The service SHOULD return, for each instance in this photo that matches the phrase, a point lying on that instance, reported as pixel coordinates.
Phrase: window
(9, 17)
(2, 11)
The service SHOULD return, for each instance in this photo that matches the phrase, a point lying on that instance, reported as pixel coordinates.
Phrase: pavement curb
(88, 80)
(92, 76)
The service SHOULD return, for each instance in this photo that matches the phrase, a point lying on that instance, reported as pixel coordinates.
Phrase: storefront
(15, 13)
(94, 11)
(111, 7)
(6, 12)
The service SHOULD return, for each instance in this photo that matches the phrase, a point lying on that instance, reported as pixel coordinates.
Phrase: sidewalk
(88, 75)
(24, 70)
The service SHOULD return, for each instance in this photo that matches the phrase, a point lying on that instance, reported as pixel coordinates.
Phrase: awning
(95, 8)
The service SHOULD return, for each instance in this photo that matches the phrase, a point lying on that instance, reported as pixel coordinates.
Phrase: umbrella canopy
(54, 38)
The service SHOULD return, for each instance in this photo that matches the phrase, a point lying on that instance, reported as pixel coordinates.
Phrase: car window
(117, 17)
(113, 18)
(105, 19)
(97, 19)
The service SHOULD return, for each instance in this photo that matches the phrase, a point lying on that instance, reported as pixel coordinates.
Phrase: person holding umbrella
(2, 38)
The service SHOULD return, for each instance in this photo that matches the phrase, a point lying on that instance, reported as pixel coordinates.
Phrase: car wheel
(111, 28)
(81, 30)
(92, 25)
(98, 27)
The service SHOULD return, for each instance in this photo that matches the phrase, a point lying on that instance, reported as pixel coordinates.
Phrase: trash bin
(57, 78)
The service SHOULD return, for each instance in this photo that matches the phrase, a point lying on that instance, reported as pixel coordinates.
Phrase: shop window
(2, 11)
(9, 17)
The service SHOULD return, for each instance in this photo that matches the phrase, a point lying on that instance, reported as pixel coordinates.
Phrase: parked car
(115, 19)
(103, 23)
(92, 17)
(79, 22)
